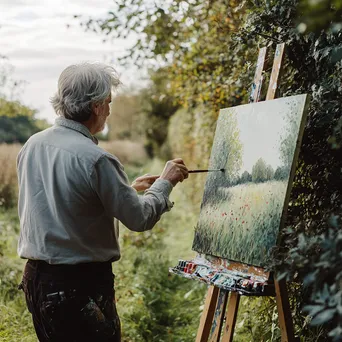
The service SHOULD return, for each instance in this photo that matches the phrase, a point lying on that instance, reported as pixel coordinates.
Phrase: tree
(227, 154)
(17, 121)
(259, 171)
(245, 177)
(281, 173)
(158, 106)
(194, 43)
(269, 172)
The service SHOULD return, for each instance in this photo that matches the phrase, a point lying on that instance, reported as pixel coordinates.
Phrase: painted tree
(227, 154)
(281, 173)
(259, 171)
(245, 177)
(269, 172)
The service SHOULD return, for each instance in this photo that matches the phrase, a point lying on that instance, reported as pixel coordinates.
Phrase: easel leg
(284, 312)
(207, 315)
(232, 310)
(216, 327)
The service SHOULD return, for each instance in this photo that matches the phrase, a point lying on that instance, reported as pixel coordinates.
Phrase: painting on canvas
(242, 207)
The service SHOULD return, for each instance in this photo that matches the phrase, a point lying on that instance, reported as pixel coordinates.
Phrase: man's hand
(175, 171)
(144, 182)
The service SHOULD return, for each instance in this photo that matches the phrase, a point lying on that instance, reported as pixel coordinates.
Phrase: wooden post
(207, 315)
(258, 76)
(216, 328)
(284, 312)
(232, 311)
(276, 71)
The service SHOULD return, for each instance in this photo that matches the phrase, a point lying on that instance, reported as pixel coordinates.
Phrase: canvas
(242, 207)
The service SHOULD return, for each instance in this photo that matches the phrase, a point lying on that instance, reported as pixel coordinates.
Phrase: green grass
(15, 320)
(243, 225)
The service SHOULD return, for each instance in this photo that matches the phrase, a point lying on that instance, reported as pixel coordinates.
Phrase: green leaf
(323, 317)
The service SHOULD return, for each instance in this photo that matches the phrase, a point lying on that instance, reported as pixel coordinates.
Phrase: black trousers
(71, 302)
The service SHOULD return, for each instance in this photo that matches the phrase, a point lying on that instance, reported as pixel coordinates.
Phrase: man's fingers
(184, 171)
(152, 179)
(148, 177)
(175, 171)
(182, 166)
(178, 161)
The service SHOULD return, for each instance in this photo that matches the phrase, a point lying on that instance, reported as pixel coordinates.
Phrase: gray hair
(80, 86)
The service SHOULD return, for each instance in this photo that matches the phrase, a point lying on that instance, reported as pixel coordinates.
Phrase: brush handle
(197, 171)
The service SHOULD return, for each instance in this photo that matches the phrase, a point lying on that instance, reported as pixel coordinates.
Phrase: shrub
(8, 174)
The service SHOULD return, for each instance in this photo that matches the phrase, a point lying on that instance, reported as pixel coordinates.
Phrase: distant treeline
(261, 172)
(17, 129)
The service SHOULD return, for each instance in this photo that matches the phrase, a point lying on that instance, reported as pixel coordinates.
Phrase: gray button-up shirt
(70, 191)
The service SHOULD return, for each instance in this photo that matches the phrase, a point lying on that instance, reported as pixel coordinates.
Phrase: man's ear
(95, 108)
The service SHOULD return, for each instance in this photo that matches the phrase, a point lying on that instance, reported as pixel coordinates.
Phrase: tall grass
(15, 320)
(8, 175)
(128, 152)
(243, 224)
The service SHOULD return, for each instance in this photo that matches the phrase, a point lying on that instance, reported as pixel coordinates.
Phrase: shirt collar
(76, 126)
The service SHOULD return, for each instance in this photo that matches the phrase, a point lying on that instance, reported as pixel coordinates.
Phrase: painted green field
(244, 227)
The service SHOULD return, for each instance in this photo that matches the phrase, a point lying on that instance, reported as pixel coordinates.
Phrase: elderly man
(72, 194)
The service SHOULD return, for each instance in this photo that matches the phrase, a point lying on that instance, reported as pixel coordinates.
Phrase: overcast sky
(35, 38)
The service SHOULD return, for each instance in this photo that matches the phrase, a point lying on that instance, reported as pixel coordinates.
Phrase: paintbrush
(212, 170)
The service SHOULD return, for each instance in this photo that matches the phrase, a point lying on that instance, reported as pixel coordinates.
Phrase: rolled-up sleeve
(120, 200)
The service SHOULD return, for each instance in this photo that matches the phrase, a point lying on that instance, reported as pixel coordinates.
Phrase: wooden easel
(219, 312)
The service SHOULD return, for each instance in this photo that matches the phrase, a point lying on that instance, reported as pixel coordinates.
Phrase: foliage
(17, 121)
(158, 106)
(17, 129)
(245, 177)
(143, 115)
(259, 171)
(190, 134)
(126, 119)
(317, 259)
(321, 15)
(10, 109)
(226, 153)
(8, 175)
(178, 33)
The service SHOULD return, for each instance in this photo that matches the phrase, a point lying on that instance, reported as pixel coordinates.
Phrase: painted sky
(35, 37)
(261, 130)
